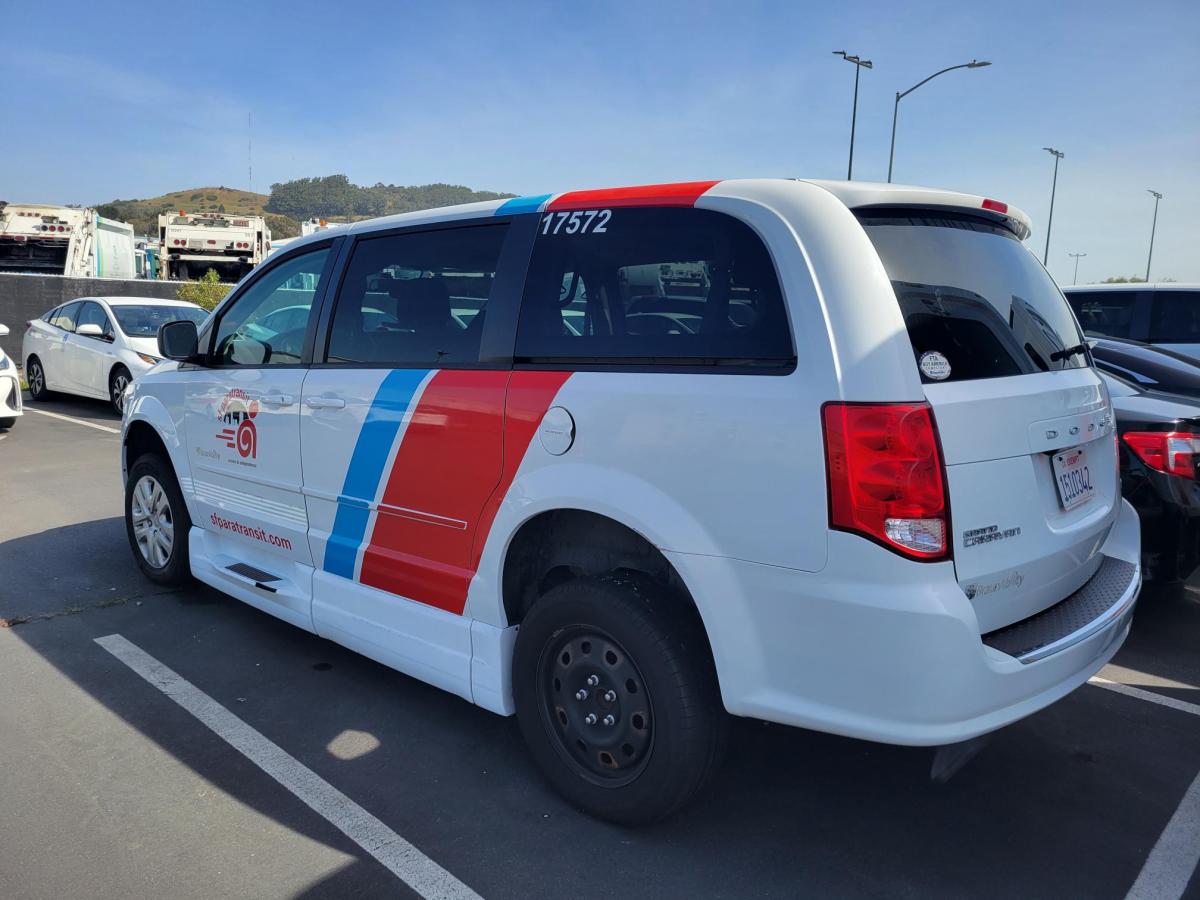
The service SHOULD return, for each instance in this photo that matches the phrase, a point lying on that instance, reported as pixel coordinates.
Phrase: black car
(1148, 367)
(1159, 450)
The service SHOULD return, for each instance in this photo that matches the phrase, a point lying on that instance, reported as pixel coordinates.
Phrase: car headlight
(4, 363)
(147, 358)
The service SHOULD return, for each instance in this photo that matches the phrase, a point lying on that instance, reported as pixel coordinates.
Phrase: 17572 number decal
(582, 221)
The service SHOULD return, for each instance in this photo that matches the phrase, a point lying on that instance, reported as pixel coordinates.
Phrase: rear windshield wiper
(1068, 352)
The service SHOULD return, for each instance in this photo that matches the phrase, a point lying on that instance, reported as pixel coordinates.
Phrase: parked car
(1160, 448)
(10, 388)
(1149, 367)
(95, 346)
(821, 453)
(1165, 314)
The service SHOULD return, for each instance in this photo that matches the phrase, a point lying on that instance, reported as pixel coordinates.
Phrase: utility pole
(250, 152)
(1153, 225)
(1058, 154)
(1076, 257)
(859, 65)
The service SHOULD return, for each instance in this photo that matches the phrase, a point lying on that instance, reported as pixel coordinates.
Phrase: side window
(64, 316)
(93, 313)
(1175, 317)
(652, 286)
(416, 298)
(1104, 313)
(266, 325)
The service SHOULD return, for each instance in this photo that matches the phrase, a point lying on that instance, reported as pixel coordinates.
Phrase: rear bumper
(876, 647)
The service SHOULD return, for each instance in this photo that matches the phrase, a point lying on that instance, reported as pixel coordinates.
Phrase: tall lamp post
(1153, 225)
(859, 65)
(1057, 154)
(1076, 256)
(973, 64)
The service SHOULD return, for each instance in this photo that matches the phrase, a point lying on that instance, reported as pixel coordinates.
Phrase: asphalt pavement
(109, 787)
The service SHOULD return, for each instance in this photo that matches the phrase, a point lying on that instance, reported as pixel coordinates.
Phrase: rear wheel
(35, 377)
(157, 521)
(117, 382)
(617, 698)
(181, 271)
(7, 422)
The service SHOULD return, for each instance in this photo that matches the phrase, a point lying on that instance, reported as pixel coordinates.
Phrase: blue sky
(133, 101)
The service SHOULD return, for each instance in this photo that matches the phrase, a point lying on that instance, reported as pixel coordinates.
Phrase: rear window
(652, 287)
(1175, 317)
(975, 301)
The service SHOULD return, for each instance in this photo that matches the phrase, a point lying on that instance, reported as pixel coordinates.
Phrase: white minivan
(624, 461)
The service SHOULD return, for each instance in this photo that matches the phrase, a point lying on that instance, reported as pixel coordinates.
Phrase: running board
(261, 579)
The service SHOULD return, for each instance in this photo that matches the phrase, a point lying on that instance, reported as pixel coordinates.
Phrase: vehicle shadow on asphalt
(790, 807)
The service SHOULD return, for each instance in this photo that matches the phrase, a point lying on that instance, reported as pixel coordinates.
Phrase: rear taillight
(886, 480)
(1173, 452)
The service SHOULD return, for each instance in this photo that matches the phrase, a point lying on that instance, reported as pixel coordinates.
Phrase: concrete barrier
(25, 297)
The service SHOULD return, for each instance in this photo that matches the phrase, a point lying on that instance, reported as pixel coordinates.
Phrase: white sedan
(10, 388)
(96, 346)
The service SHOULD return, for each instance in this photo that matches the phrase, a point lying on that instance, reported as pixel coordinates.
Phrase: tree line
(335, 197)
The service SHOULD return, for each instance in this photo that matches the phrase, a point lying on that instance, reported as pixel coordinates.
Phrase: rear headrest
(422, 304)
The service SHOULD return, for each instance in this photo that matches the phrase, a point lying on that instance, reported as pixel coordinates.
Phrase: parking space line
(1170, 866)
(96, 425)
(1150, 696)
(404, 860)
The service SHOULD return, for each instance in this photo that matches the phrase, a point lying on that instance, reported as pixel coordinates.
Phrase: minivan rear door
(1025, 424)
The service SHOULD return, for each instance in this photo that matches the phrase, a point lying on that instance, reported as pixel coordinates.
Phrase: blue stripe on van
(522, 205)
(371, 452)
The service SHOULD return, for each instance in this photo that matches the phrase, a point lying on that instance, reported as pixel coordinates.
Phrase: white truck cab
(623, 461)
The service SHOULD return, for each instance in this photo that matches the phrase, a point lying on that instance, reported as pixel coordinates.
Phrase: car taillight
(886, 480)
(1173, 452)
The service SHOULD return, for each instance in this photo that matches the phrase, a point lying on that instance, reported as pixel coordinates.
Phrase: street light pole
(1154, 224)
(973, 64)
(859, 65)
(1076, 257)
(1058, 154)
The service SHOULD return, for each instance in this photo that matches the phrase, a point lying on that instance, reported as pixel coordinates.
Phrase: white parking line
(96, 425)
(1149, 696)
(404, 860)
(1171, 863)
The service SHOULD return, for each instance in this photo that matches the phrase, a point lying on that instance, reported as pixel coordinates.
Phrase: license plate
(1073, 477)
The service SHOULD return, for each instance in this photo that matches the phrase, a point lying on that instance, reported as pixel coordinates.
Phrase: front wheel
(617, 698)
(35, 377)
(117, 382)
(157, 521)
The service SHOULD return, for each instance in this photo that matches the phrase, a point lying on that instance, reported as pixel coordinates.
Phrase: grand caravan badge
(237, 411)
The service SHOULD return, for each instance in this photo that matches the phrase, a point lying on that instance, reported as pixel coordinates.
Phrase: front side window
(1175, 317)
(144, 321)
(92, 313)
(650, 286)
(1104, 313)
(64, 316)
(416, 298)
(267, 324)
(971, 293)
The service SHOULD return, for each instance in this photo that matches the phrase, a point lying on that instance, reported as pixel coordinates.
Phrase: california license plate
(1072, 477)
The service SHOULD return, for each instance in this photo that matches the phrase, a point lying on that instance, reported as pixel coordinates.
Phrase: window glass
(267, 324)
(92, 313)
(971, 292)
(1175, 317)
(144, 321)
(646, 286)
(1107, 313)
(64, 316)
(416, 298)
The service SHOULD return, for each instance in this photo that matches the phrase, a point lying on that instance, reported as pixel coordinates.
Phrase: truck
(192, 243)
(46, 239)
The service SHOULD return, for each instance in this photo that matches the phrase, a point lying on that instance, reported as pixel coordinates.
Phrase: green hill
(143, 214)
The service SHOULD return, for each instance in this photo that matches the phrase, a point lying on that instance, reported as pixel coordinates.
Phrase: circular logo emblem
(934, 365)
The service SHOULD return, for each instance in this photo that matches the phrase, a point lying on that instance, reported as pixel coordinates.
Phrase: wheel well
(32, 357)
(570, 543)
(141, 439)
(113, 371)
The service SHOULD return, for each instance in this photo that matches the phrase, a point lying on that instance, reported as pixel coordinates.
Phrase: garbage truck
(192, 243)
(46, 239)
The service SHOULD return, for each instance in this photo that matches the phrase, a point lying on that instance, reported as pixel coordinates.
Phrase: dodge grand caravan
(624, 461)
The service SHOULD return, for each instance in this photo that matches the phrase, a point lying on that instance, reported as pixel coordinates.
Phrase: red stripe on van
(684, 193)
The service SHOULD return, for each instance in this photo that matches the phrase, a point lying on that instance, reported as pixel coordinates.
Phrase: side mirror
(178, 340)
(90, 329)
(3, 330)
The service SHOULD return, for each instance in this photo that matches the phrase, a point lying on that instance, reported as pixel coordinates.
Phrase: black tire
(118, 379)
(7, 422)
(182, 271)
(175, 569)
(655, 678)
(35, 377)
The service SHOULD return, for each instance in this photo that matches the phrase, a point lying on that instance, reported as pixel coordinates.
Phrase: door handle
(325, 403)
(277, 400)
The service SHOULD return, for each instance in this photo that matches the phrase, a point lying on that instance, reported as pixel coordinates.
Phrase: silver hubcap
(119, 385)
(35, 379)
(153, 527)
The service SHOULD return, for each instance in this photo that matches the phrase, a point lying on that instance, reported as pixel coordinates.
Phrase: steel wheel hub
(596, 703)
(119, 385)
(35, 378)
(153, 525)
